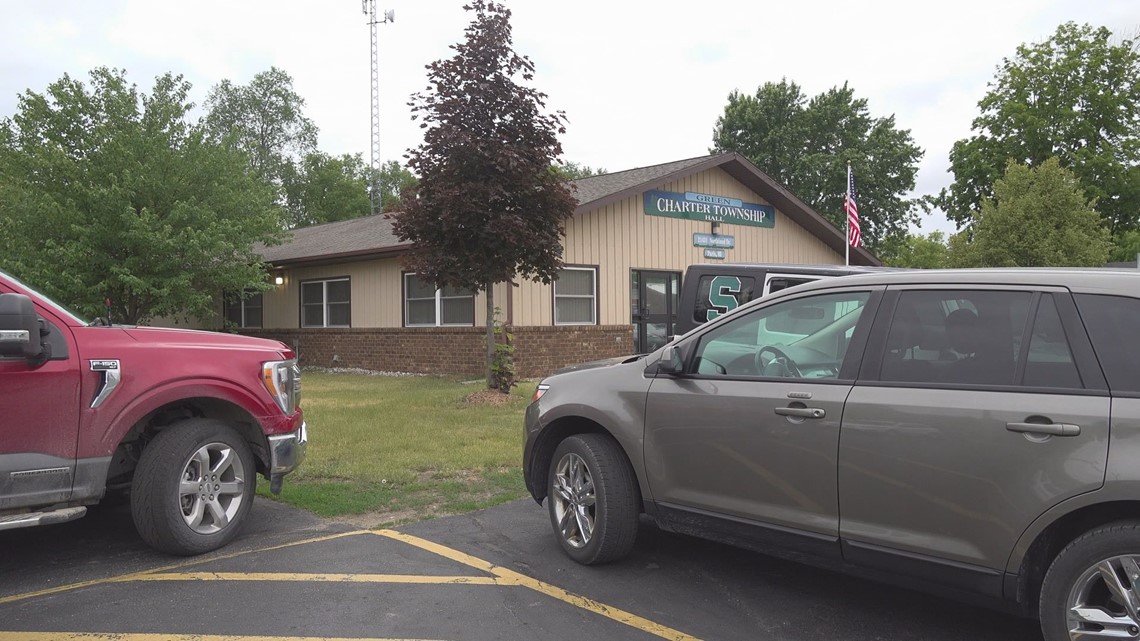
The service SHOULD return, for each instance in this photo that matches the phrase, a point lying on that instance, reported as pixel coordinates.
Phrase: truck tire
(593, 499)
(193, 487)
(1090, 583)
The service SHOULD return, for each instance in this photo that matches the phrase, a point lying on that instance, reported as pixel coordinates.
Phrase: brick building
(343, 297)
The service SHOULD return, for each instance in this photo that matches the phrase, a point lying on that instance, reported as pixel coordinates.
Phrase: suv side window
(810, 337)
(956, 336)
(1049, 362)
(1111, 323)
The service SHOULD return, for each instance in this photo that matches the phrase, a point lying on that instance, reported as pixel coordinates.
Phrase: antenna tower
(369, 8)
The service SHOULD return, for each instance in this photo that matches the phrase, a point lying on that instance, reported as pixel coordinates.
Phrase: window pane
(231, 310)
(455, 291)
(575, 282)
(339, 291)
(253, 316)
(254, 300)
(313, 293)
(457, 311)
(1111, 321)
(421, 312)
(718, 295)
(340, 315)
(741, 346)
(574, 310)
(962, 337)
(314, 315)
(417, 288)
(1049, 362)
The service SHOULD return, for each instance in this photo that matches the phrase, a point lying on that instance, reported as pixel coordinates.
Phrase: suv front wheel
(1092, 589)
(592, 499)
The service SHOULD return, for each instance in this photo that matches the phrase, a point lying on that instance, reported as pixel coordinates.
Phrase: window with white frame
(426, 306)
(326, 303)
(576, 296)
(243, 310)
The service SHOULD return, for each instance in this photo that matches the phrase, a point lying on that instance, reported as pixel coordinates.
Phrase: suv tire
(1083, 574)
(593, 499)
(193, 487)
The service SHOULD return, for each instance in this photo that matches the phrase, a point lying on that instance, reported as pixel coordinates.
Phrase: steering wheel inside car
(779, 365)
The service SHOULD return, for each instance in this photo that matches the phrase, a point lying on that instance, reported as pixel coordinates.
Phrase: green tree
(395, 182)
(265, 119)
(807, 144)
(1038, 217)
(1076, 97)
(109, 193)
(488, 208)
(917, 251)
(574, 171)
(323, 189)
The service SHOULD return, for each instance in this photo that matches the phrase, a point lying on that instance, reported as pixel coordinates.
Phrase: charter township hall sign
(693, 206)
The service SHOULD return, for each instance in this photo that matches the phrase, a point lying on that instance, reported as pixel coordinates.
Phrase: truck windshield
(60, 309)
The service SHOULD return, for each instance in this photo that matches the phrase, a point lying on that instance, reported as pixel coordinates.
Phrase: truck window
(720, 294)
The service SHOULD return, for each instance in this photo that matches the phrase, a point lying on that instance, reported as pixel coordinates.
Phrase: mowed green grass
(406, 447)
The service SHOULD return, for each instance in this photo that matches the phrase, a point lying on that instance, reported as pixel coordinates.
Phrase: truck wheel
(193, 487)
(593, 499)
(1092, 589)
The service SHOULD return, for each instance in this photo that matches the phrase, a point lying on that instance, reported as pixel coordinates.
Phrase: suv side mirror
(19, 327)
(670, 362)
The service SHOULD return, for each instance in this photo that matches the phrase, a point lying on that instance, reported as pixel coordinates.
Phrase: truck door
(39, 422)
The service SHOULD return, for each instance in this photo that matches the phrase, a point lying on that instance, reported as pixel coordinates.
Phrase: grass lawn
(403, 448)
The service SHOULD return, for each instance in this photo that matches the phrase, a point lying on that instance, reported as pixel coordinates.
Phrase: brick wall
(451, 350)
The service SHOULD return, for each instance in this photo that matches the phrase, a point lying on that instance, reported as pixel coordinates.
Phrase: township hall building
(344, 299)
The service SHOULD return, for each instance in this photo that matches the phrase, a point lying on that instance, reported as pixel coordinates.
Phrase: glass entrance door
(654, 298)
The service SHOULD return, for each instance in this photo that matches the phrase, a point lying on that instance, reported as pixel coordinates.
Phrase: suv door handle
(1052, 429)
(801, 412)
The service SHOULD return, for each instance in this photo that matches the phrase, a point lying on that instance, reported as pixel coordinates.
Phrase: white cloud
(640, 82)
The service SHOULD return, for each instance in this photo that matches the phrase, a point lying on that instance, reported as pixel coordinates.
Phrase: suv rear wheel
(1092, 589)
(593, 499)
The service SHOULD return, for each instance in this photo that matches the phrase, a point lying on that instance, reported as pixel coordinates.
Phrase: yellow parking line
(510, 577)
(422, 579)
(198, 561)
(128, 637)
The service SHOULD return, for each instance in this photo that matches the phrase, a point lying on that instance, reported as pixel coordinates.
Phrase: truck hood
(196, 338)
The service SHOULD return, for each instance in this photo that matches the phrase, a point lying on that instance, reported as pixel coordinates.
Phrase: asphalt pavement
(491, 574)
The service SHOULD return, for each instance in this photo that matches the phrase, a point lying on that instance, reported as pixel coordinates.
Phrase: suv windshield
(63, 311)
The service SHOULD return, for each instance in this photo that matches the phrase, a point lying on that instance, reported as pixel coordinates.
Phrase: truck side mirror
(19, 327)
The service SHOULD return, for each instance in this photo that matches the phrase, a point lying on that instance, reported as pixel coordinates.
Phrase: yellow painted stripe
(134, 576)
(422, 579)
(129, 637)
(510, 577)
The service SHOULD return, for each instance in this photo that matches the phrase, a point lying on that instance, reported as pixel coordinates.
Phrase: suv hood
(605, 362)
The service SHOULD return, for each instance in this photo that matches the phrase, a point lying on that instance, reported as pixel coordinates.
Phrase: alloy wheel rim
(574, 500)
(211, 488)
(1105, 601)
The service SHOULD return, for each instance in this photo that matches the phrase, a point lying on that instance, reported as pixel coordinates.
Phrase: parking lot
(493, 574)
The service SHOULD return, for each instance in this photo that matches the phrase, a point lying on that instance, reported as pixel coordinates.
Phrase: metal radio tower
(369, 8)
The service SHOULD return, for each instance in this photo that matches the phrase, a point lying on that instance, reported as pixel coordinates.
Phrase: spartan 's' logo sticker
(722, 296)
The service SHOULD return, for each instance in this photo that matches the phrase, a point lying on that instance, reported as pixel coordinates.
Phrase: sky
(640, 82)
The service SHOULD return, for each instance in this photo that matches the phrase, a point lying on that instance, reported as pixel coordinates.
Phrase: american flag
(854, 238)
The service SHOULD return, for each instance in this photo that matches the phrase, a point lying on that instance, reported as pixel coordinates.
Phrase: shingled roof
(372, 236)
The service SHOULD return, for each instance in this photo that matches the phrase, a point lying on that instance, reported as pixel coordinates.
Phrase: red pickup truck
(183, 420)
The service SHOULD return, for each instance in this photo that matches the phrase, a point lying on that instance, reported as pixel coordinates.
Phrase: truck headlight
(282, 380)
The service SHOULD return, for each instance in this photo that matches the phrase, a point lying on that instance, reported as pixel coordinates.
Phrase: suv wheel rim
(574, 500)
(211, 488)
(1105, 601)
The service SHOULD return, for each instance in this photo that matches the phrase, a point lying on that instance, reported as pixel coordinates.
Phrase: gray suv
(974, 433)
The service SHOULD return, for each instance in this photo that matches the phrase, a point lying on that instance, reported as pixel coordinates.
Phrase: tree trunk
(490, 331)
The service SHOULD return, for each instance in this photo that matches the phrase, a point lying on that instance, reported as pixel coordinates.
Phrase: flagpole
(847, 218)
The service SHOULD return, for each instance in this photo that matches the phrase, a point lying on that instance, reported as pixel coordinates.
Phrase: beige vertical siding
(620, 237)
(617, 238)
